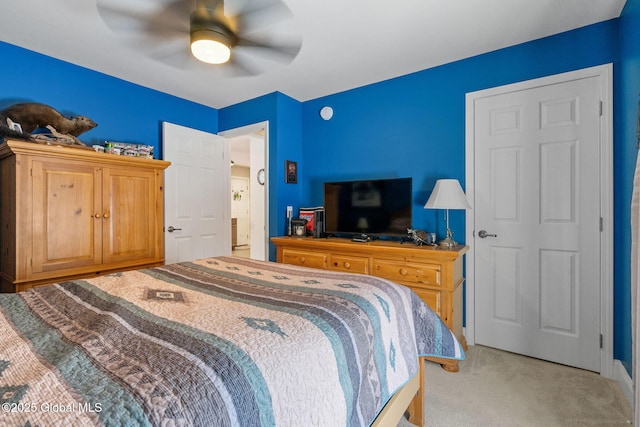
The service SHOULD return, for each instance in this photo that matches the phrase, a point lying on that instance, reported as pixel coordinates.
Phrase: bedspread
(214, 342)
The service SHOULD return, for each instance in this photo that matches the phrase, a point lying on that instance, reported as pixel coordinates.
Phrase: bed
(214, 342)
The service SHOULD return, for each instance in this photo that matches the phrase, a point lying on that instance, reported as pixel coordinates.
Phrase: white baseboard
(624, 380)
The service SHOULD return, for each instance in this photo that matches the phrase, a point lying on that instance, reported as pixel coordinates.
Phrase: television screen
(371, 207)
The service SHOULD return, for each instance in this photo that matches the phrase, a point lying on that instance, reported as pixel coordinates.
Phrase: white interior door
(240, 202)
(537, 189)
(197, 205)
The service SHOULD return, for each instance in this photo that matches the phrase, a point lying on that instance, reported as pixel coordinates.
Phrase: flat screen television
(375, 207)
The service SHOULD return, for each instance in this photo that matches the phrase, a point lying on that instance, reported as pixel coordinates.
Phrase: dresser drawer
(304, 258)
(404, 272)
(431, 298)
(349, 264)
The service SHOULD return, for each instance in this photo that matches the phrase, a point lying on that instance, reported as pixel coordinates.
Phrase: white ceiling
(345, 43)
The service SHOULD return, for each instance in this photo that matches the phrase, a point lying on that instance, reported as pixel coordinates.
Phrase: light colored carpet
(496, 388)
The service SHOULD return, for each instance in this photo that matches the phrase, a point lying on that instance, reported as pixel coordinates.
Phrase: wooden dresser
(68, 213)
(434, 274)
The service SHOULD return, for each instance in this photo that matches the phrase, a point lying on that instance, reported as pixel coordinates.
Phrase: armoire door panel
(66, 233)
(129, 212)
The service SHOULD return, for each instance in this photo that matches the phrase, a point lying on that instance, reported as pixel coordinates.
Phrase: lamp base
(447, 243)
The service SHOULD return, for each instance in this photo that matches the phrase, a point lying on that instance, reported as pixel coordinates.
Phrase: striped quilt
(214, 342)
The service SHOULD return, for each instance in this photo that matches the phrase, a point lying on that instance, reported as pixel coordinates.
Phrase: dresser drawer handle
(347, 265)
(302, 259)
(403, 272)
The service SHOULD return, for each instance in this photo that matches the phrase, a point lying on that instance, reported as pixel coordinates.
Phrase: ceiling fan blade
(169, 20)
(261, 30)
(240, 66)
(281, 51)
(257, 14)
(176, 53)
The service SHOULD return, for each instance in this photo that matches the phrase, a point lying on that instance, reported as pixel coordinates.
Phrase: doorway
(535, 283)
(248, 149)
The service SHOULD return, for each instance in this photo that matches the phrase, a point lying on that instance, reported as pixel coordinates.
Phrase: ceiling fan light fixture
(211, 47)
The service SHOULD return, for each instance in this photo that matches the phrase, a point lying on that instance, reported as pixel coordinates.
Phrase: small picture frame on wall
(291, 172)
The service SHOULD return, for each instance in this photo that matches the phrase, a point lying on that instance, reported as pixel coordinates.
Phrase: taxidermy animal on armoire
(33, 115)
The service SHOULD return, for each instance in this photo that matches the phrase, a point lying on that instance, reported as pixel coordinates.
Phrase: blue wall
(627, 93)
(409, 126)
(285, 143)
(124, 111)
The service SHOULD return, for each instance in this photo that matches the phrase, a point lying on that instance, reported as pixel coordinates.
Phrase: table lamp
(447, 194)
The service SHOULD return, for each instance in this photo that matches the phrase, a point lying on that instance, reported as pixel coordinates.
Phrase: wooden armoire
(69, 213)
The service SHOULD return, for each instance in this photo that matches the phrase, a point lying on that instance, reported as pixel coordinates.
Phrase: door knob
(171, 229)
(483, 234)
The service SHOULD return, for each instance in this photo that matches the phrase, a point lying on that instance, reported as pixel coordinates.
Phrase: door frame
(605, 72)
(253, 129)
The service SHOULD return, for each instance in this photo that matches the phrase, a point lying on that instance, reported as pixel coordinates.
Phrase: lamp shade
(447, 194)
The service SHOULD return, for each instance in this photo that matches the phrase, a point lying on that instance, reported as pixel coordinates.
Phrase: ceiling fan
(237, 35)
